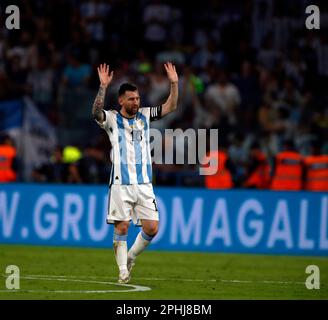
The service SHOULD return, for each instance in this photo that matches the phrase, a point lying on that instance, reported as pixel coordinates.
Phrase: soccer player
(131, 195)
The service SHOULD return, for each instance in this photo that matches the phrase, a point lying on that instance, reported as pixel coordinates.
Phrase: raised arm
(172, 101)
(105, 79)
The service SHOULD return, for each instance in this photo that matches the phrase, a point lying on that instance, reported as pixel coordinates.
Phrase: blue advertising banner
(190, 219)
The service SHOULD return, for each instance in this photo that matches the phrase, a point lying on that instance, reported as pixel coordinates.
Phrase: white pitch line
(135, 288)
(179, 279)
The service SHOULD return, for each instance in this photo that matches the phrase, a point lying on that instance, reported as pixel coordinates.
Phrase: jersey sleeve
(107, 121)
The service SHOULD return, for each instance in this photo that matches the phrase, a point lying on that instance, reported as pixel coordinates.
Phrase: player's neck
(125, 114)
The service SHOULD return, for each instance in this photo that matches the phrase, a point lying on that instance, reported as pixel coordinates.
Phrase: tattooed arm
(98, 105)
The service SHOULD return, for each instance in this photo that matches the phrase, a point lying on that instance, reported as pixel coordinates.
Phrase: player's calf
(120, 250)
(141, 243)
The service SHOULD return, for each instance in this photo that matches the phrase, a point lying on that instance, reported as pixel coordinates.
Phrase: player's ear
(120, 100)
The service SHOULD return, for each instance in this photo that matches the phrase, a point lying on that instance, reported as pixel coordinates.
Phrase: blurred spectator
(290, 95)
(218, 171)
(172, 54)
(165, 173)
(156, 18)
(203, 118)
(190, 86)
(23, 51)
(92, 167)
(201, 57)
(258, 169)
(296, 67)
(276, 125)
(248, 86)
(268, 56)
(76, 74)
(287, 169)
(159, 85)
(238, 157)
(41, 81)
(53, 172)
(262, 12)
(93, 13)
(8, 160)
(223, 95)
(316, 169)
(73, 175)
(16, 70)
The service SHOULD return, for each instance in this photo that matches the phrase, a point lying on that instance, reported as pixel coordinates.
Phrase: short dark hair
(126, 87)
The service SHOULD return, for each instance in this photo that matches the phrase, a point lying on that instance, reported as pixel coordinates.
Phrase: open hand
(171, 72)
(104, 76)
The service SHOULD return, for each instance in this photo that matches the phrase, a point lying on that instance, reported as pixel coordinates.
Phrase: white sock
(120, 250)
(140, 244)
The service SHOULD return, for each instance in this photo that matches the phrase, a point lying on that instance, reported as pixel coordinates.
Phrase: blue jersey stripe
(149, 169)
(138, 156)
(123, 151)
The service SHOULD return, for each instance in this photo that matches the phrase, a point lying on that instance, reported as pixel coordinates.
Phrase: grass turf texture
(179, 275)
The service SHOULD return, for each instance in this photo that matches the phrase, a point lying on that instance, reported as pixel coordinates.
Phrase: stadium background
(275, 75)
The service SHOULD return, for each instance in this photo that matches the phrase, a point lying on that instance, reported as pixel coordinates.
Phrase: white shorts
(134, 201)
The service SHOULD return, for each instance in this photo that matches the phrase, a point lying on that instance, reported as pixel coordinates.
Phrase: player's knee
(151, 229)
(122, 228)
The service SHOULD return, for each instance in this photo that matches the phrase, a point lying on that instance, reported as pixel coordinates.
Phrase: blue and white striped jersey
(130, 153)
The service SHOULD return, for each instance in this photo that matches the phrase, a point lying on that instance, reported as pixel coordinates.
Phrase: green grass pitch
(86, 273)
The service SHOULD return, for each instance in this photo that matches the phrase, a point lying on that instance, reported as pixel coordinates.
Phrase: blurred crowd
(248, 68)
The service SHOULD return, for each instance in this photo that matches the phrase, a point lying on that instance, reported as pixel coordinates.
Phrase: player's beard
(132, 111)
